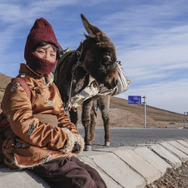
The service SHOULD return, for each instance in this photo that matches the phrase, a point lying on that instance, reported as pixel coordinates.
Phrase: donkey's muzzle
(111, 83)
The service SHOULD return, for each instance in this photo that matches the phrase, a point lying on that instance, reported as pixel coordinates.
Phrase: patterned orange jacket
(36, 142)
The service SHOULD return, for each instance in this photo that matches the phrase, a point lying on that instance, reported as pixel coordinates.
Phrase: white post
(184, 119)
(144, 111)
(185, 113)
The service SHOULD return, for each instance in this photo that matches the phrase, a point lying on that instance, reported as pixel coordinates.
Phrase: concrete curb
(128, 167)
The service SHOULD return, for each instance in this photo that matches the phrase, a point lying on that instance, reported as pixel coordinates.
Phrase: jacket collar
(25, 69)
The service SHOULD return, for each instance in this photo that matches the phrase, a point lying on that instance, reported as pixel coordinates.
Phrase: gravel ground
(173, 178)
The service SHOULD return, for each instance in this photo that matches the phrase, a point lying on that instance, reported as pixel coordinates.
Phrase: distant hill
(125, 115)
(4, 80)
(158, 117)
(156, 114)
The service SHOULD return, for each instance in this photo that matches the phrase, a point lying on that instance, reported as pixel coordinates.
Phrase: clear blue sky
(151, 39)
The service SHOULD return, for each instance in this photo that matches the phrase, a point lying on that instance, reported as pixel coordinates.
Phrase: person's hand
(76, 148)
(72, 108)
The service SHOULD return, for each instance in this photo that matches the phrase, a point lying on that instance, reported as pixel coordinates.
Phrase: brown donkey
(95, 57)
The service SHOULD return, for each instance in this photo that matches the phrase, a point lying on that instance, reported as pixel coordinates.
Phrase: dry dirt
(124, 115)
(173, 178)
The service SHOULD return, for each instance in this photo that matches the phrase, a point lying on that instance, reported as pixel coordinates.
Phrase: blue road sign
(134, 99)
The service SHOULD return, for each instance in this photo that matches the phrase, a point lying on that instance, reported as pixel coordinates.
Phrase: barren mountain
(155, 117)
(125, 115)
(4, 80)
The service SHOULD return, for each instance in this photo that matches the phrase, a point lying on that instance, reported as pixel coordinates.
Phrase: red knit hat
(41, 31)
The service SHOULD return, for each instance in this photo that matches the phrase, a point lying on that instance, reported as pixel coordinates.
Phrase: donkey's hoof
(107, 144)
(87, 148)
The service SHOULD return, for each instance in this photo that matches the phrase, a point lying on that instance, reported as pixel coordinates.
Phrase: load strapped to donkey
(90, 90)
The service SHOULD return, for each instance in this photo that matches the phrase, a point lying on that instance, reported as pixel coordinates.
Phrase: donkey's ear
(92, 30)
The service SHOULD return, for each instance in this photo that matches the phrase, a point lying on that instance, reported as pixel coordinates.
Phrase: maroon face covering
(40, 32)
(39, 65)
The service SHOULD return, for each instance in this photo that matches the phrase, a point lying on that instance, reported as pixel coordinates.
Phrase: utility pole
(144, 97)
(185, 114)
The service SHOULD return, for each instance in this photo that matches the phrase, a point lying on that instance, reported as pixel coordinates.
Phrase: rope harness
(73, 71)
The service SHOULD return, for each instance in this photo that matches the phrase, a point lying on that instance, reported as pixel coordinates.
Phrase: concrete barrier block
(17, 179)
(118, 170)
(166, 155)
(108, 180)
(153, 159)
(182, 156)
(179, 146)
(140, 165)
(183, 143)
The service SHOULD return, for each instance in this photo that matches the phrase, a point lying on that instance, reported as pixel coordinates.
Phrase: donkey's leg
(93, 120)
(86, 121)
(103, 104)
(73, 116)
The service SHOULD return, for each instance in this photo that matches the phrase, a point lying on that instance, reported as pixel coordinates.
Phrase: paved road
(136, 136)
